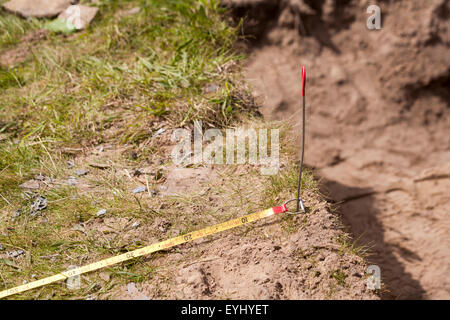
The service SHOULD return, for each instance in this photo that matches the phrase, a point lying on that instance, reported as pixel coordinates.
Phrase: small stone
(14, 254)
(135, 225)
(78, 227)
(81, 172)
(101, 212)
(72, 180)
(99, 165)
(131, 286)
(30, 184)
(160, 131)
(1, 247)
(70, 164)
(38, 205)
(39, 177)
(37, 8)
(211, 88)
(133, 11)
(139, 189)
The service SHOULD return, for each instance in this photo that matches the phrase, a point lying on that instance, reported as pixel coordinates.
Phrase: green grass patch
(110, 81)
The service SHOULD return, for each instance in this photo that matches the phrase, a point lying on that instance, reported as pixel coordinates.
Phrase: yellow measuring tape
(146, 250)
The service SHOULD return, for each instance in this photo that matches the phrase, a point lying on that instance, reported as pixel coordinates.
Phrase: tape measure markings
(145, 250)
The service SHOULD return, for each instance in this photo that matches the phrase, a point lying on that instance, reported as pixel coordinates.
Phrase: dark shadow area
(258, 18)
(438, 86)
(359, 213)
(317, 29)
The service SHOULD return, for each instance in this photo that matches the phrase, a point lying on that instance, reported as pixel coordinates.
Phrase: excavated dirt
(306, 257)
(378, 124)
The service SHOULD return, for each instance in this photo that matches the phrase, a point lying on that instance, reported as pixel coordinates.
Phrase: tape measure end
(279, 209)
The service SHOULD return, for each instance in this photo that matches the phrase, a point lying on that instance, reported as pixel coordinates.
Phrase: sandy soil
(302, 257)
(378, 127)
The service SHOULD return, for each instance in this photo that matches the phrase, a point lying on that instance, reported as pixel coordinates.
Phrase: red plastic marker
(303, 81)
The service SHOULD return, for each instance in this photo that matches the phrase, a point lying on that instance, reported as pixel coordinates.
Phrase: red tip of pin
(303, 80)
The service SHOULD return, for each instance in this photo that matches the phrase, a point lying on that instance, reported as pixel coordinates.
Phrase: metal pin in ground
(299, 200)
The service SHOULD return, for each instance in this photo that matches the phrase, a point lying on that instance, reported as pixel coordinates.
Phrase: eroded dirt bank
(378, 120)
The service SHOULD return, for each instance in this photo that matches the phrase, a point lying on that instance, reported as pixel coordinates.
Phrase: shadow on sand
(358, 209)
